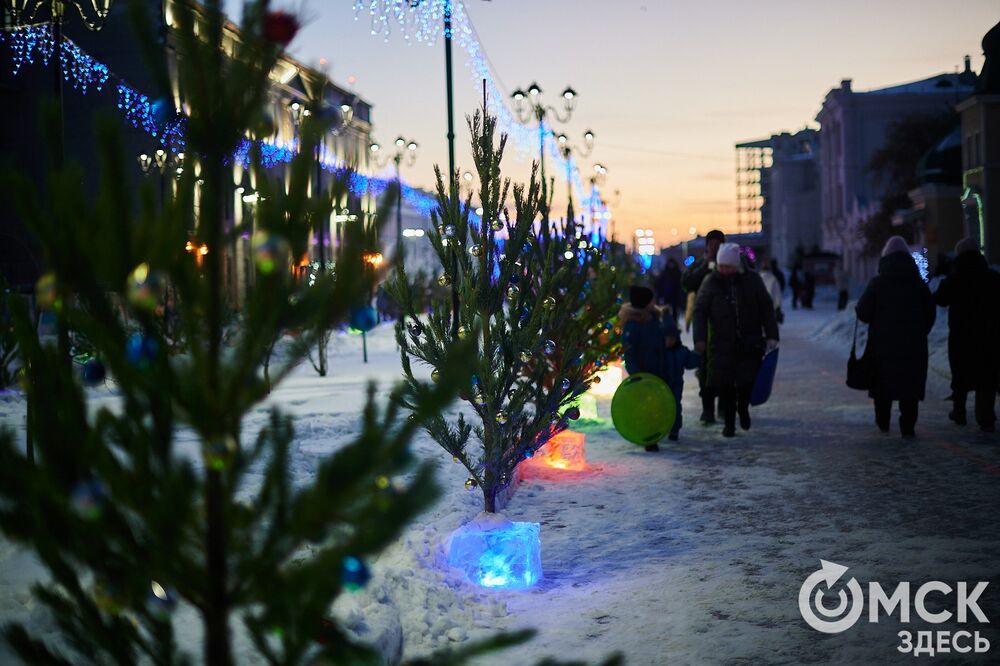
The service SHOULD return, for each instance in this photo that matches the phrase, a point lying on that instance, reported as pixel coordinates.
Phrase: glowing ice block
(564, 451)
(495, 552)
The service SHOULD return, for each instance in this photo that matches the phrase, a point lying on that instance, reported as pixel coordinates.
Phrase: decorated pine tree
(135, 527)
(509, 306)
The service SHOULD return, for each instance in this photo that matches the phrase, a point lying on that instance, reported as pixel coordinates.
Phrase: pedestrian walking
(899, 310)
(795, 284)
(668, 288)
(842, 282)
(691, 282)
(651, 343)
(734, 323)
(972, 295)
(773, 289)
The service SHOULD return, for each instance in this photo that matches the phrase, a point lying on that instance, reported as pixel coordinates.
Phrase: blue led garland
(30, 45)
(424, 21)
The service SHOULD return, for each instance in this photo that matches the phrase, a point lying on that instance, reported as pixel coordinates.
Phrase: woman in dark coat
(734, 319)
(972, 295)
(899, 311)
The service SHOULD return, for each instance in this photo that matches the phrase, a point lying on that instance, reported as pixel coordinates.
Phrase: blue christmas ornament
(354, 574)
(140, 350)
(527, 246)
(363, 318)
(514, 278)
(162, 111)
(93, 372)
(87, 499)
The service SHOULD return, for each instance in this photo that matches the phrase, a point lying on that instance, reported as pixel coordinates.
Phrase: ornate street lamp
(568, 149)
(404, 150)
(530, 104)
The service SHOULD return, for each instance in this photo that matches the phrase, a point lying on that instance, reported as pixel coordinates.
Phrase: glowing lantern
(495, 552)
(373, 259)
(610, 378)
(563, 451)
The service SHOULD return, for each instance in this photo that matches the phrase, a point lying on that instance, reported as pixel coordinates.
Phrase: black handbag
(859, 370)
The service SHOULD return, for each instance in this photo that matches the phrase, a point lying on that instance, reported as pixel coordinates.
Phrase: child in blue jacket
(651, 343)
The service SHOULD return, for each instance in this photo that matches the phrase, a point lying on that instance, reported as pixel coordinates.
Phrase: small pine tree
(508, 306)
(129, 525)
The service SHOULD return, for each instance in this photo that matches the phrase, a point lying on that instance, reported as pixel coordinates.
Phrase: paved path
(696, 555)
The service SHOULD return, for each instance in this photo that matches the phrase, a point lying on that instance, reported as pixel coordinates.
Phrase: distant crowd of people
(734, 308)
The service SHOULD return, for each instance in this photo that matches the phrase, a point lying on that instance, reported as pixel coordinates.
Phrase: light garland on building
(30, 45)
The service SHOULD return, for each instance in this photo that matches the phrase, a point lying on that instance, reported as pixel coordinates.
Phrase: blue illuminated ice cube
(494, 552)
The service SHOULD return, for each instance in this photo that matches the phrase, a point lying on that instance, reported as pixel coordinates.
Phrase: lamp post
(568, 149)
(23, 12)
(405, 149)
(163, 162)
(600, 172)
(530, 104)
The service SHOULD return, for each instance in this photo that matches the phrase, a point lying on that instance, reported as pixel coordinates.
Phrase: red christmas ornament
(280, 27)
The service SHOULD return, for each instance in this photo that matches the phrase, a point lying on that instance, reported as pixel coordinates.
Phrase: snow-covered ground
(693, 555)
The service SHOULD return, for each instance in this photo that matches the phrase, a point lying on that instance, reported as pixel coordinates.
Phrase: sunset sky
(668, 87)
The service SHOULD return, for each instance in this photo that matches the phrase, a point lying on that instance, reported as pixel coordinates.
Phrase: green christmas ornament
(219, 453)
(476, 250)
(444, 279)
(524, 356)
(470, 484)
(270, 251)
(548, 302)
(502, 417)
(144, 287)
(513, 291)
(435, 375)
(47, 292)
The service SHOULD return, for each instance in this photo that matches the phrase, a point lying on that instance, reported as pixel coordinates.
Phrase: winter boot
(729, 431)
(957, 417)
(652, 448)
(707, 411)
(745, 417)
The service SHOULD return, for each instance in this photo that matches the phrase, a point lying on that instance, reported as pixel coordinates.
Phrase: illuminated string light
(423, 22)
(30, 45)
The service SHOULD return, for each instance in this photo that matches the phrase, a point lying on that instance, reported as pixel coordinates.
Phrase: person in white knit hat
(733, 320)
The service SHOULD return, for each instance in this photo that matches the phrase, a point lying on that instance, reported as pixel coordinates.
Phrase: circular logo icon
(840, 617)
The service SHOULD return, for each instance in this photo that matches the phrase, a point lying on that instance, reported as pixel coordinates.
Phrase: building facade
(789, 192)
(853, 126)
(980, 136)
(294, 88)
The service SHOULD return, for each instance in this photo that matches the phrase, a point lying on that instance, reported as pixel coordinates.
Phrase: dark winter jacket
(734, 315)
(972, 295)
(899, 311)
(644, 342)
(668, 286)
(695, 274)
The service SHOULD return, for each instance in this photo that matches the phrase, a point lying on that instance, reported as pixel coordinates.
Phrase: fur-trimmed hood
(628, 313)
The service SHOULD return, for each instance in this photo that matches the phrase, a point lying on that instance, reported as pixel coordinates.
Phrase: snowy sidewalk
(695, 555)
